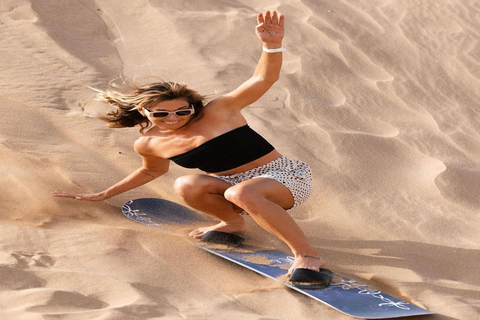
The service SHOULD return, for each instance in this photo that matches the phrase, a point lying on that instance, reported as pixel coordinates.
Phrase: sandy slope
(379, 96)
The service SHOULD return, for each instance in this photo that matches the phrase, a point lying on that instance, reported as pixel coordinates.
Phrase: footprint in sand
(26, 259)
(12, 277)
(60, 302)
(28, 282)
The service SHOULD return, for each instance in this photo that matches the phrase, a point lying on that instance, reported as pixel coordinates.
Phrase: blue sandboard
(343, 294)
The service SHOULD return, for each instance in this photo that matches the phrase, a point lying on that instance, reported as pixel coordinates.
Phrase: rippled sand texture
(381, 97)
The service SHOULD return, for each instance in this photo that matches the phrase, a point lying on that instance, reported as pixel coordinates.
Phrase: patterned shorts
(293, 174)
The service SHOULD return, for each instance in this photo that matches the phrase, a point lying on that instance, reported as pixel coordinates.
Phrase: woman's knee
(187, 186)
(252, 193)
(243, 196)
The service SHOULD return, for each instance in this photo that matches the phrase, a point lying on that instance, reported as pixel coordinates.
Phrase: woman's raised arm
(270, 30)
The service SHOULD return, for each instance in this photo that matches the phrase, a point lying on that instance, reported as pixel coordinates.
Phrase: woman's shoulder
(146, 145)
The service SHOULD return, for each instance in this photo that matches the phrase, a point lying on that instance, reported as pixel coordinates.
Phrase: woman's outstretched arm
(152, 168)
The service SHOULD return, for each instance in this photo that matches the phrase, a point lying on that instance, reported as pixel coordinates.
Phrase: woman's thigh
(198, 184)
(267, 188)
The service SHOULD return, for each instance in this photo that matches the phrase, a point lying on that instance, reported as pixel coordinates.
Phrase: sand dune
(380, 97)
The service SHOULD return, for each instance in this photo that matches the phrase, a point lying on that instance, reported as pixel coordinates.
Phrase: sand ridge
(380, 97)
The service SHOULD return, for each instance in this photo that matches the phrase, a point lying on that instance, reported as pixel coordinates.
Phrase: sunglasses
(164, 114)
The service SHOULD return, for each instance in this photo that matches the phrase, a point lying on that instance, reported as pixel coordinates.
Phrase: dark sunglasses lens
(160, 114)
(181, 113)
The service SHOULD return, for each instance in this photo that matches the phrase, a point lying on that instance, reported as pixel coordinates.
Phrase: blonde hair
(128, 104)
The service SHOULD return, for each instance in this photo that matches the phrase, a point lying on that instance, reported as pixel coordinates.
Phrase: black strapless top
(225, 152)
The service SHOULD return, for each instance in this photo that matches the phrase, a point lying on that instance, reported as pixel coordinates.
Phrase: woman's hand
(80, 196)
(270, 29)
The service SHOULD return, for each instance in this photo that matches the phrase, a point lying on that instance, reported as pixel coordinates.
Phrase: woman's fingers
(260, 19)
(275, 17)
(281, 21)
(270, 18)
(90, 197)
(61, 194)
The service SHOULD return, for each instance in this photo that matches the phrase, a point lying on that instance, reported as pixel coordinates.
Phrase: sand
(381, 97)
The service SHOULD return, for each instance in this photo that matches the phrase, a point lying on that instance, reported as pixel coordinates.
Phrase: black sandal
(310, 279)
(222, 238)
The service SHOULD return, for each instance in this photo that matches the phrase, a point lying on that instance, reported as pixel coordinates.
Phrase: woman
(243, 171)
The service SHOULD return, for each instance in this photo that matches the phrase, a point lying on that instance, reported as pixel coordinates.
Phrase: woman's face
(170, 114)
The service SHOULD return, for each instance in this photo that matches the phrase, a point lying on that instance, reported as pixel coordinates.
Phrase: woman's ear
(142, 112)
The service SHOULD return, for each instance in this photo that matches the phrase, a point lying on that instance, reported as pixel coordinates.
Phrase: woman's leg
(263, 198)
(205, 193)
(266, 200)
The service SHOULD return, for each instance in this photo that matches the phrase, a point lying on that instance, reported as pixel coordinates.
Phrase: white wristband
(281, 49)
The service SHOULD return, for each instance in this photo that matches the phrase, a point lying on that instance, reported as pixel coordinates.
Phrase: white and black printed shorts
(292, 173)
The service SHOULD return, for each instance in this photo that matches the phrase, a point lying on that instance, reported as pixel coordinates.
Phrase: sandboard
(343, 294)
